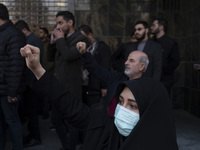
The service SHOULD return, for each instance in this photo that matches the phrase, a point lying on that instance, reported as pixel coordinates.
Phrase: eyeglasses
(139, 29)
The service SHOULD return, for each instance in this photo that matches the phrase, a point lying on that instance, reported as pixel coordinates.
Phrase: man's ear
(70, 23)
(142, 67)
(24, 30)
(147, 30)
(161, 28)
(90, 35)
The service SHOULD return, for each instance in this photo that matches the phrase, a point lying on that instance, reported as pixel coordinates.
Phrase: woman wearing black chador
(143, 116)
(155, 129)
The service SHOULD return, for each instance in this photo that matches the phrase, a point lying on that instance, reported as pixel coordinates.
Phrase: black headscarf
(155, 130)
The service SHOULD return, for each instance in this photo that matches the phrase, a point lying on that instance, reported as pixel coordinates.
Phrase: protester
(11, 72)
(95, 90)
(171, 56)
(31, 100)
(67, 70)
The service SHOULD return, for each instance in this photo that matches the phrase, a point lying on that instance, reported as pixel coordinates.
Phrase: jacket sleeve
(157, 64)
(68, 106)
(68, 53)
(66, 48)
(16, 64)
(173, 60)
(51, 51)
(118, 58)
(104, 59)
(99, 72)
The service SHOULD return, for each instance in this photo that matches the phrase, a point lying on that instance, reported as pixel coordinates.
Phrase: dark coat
(46, 64)
(171, 59)
(67, 67)
(153, 51)
(155, 129)
(12, 64)
(102, 56)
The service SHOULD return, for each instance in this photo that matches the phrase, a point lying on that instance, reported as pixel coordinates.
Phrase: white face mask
(125, 120)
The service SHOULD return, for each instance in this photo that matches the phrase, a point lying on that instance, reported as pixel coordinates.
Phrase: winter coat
(11, 62)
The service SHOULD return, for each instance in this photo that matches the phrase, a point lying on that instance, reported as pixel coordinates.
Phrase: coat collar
(5, 25)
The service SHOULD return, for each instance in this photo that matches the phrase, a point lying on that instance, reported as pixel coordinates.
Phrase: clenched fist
(32, 57)
(81, 47)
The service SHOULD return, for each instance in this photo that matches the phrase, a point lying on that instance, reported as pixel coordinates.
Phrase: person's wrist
(38, 72)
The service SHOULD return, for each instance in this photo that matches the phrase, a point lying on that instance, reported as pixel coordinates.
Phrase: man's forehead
(59, 18)
(134, 55)
(139, 25)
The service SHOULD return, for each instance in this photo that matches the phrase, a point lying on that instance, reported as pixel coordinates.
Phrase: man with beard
(171, 56)
(67, 69)
(151, 48)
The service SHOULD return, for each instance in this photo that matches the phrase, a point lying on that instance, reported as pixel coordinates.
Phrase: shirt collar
(68, 35)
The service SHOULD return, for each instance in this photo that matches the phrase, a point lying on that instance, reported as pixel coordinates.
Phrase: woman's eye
(120, 102)
(133, 107)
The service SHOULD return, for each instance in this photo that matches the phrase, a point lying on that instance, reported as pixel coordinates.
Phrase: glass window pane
(36, 12)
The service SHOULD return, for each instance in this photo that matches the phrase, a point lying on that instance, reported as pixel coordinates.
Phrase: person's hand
(53, 39)
(12, 99)
(32, 56)
(81, 47)
(58, 33)
(103, 92)
(196, 66)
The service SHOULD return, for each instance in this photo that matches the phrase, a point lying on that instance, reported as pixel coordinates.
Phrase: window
(36, 12)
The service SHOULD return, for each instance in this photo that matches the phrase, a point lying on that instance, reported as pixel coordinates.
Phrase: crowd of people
(116, 101)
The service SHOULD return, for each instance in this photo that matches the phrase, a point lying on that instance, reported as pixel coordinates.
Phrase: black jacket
(12, 64)
(102, 56)
(67, 67)
(171, 59)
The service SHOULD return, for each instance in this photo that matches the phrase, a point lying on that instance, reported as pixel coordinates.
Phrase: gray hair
(145, 60)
